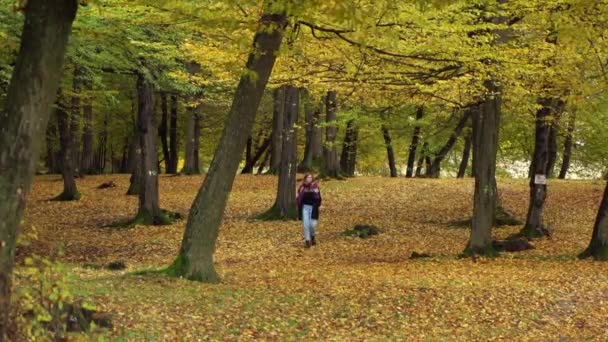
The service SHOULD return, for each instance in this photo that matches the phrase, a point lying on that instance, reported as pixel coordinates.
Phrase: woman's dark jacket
(310, 196)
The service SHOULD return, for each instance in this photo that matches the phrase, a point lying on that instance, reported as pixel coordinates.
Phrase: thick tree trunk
(87, 160)
(534, 226)
(149, 209)
(277, 129)
(348, 157)
(312, 133)
(68, 170)
(193, 135)
(436, 164)
(486, 129)
(390, 153)
(598, 246)
(173, 144)
(414, 145)
(568, 147)
(466, 153)
(248, 169)
(195, 258)
(331, 164)
(32, 89)
(285, 207)
(163, 129)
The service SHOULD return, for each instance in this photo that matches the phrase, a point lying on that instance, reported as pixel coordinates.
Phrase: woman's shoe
(307, 244)
(313, 241)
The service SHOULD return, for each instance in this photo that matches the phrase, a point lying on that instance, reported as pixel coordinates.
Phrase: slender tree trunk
(331, 165)
(568, 147)
(102, 148)
(134, 164)
(263, 163)
(553, 130)
(248, 169)
(312, 132)
(86, 160)
(75, 115)
(486, 131)
(348, 156)
(436, 164)
(248, 150)
(414, 145)
(195, 258)
(124, 161)
(389, 151)
(598, 246)
(277, 129)
(534, 226)
(464, 163)
(193, 133)
(163, 128)
(173, 144)
(285, 207)
(149, 208)
(317, 139)
(53, 157)
(419, 166)
(68, 170)
(32, 89)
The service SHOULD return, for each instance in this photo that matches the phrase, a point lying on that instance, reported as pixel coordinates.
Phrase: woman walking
(309, 201)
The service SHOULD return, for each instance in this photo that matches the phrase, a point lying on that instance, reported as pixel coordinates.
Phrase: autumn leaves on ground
(344, 288)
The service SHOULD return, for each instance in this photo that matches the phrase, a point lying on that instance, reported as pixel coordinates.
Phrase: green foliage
(42, 294)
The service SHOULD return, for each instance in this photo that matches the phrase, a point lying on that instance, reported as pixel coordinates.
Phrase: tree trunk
(248, 150)
(436, 164)
(486, 131)
(68, 170)
(598, 246)
(134, 164)
(389, 151)
(32, 89)
(263, 163)
(163, 128)
(411, 159)
(53, 157)
(419, 166)
(75, 115)
(285, 207)
(102, 147)
(193, 133)
(195, 258)
(553, 130)
(248, 169)
(568, 147)
(172, 165)
(534, 226)
(149, 209)
(348, 156)
(277, 129)
(331, 165)
(86, 160)
(312, 133)
(464, 163)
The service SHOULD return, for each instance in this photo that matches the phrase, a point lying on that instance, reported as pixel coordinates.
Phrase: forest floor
(345, 288)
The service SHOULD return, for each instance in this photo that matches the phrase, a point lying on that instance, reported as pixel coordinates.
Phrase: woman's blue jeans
(310, 224)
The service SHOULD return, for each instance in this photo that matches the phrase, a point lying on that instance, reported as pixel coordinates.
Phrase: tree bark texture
(411, 159)
(331, 164)
(390, 153)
